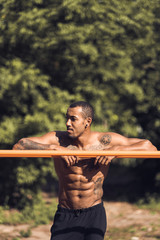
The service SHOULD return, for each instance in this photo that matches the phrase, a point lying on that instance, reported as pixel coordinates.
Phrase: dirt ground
(125, 222)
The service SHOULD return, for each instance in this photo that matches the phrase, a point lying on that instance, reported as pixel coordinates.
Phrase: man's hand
(105, 160)
(70, 160)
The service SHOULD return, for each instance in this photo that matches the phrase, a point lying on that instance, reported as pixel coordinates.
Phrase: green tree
(56, 52)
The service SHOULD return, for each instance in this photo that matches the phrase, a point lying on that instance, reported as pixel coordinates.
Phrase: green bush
(37, 213)
(25, 234)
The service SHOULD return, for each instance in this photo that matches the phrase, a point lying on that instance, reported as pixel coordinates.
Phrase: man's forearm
(28, 144)
(144, 145)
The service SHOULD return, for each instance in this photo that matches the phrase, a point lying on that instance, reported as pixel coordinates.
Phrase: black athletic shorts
(81, 224)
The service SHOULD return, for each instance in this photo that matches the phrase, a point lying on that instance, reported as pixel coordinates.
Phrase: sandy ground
(125, 221)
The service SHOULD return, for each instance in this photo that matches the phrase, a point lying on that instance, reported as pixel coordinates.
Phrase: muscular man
(80, 213)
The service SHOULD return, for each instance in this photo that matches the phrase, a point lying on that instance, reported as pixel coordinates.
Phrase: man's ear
(89, 121)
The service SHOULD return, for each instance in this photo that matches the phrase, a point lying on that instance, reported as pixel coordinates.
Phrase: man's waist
(75, 210)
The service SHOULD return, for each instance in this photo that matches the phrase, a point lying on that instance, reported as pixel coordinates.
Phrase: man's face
(75, 122)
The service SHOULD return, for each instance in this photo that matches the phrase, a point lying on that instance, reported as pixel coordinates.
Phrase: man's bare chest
(97, 146)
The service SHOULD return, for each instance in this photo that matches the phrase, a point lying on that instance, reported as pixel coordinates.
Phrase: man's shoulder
(102, 134)
(61, 133)
(104, 138)
(55, 136)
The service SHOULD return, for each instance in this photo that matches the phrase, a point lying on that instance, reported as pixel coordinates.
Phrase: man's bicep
(118, 139)
(113, 139)
(48, 138)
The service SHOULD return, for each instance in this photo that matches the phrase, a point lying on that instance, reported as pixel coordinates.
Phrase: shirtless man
(80, 214)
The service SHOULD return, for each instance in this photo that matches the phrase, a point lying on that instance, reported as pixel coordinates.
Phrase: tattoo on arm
(98, 187)
(106, 139)
(29, 145)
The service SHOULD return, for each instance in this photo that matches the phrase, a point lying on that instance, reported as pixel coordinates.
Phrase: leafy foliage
(37, 213)
(57, 52)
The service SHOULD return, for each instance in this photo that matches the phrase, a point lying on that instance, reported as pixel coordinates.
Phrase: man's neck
(83, 140)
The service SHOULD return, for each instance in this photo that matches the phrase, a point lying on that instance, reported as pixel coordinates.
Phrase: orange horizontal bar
(80, 153)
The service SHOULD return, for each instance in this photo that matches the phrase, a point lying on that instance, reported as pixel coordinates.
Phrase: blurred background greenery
(54, 52)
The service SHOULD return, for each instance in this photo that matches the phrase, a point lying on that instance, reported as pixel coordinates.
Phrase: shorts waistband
(62, 209)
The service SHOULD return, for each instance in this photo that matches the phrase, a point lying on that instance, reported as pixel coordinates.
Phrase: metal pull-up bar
(80, 153)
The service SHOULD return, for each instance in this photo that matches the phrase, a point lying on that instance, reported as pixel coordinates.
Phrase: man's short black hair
(87, 109)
